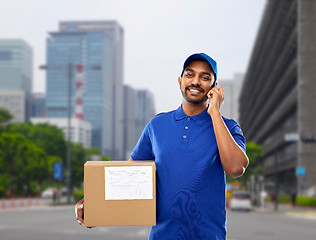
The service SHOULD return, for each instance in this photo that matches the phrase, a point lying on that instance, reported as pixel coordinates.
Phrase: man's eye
(206, 78)
(189, 75)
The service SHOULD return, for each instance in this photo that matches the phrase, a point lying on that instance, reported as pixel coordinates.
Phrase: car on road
(240, 201)
(48, 193)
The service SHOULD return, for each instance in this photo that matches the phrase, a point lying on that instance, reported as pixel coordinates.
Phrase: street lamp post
(69, 134)
(69, 69)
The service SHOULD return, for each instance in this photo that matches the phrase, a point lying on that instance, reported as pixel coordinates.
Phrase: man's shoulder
(163, 116)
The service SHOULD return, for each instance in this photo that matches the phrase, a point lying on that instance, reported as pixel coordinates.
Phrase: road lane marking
(306, 215)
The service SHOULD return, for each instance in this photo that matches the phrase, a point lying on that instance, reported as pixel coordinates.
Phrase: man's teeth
(194, 90)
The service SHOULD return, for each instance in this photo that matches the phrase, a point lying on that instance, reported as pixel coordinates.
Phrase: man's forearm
(233, 158)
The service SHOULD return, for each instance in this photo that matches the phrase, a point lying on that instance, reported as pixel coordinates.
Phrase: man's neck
(193, 109)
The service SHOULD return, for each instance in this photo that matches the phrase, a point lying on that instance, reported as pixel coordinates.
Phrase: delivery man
(192, 147)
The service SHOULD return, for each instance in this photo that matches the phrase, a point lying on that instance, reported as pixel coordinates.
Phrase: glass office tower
(16, 63)
(16, 72)
(94, 45)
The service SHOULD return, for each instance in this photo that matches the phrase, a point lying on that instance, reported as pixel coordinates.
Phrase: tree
(254, 152)
(21, 161)
(78, 159)
(91, 152)
(48, 137)
(96, 151)
(5, 117)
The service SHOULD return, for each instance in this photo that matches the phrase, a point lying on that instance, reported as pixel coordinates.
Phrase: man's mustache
(195, 87)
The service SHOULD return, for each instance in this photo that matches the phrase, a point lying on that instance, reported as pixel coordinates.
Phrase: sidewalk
(297, 211)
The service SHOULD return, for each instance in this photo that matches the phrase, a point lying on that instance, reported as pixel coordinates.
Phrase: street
(50, 223)
(269, 225)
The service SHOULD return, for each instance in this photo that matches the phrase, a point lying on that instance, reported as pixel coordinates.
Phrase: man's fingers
(79, 211)
(80, 218)
(221, 90)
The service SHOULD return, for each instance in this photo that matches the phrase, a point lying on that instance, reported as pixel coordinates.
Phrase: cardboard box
(119, 193)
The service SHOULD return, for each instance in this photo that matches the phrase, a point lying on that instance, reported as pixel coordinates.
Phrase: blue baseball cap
(201, 57)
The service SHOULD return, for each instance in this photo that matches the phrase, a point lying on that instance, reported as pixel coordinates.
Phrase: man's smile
(195, 90)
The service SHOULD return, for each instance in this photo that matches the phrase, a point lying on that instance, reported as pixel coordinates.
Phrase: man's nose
(196, 80)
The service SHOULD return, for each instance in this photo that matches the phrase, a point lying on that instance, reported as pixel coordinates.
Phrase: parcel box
(119, 193)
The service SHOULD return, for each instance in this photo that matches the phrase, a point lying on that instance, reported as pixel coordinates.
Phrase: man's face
(196, 82)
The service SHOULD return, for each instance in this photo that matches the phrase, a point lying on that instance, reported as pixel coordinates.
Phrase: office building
(16, 63)
(277, 108)
(130, 120)
(231, 87)
(15, 102)
(80, 129)
(38, 105)
(98, 46)
(145, 109)
(139, 109)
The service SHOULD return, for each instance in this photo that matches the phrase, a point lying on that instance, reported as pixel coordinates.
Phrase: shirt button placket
(186, 127)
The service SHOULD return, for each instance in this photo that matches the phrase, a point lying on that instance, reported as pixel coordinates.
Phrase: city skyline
(158, 35)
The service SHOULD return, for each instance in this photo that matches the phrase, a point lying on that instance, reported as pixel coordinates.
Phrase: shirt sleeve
(238, 136)
(143, 148)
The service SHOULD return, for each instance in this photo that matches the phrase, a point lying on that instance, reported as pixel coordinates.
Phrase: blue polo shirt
(191, 187)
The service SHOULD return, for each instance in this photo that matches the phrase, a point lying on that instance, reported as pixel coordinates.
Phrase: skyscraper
(98, 45)
(145, 109)
(139, 109)
(232, 87)
(16, 63)
(130, 120)
(38, 106)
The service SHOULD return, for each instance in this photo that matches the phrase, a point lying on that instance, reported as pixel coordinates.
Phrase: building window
(5, 55)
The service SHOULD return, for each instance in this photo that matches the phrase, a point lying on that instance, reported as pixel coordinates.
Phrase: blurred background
(79, 80)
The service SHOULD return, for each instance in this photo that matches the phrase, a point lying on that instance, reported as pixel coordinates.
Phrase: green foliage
(77, 161)
(48, 137)
(284, 199)
(306, 201)
(254, 152)
(21, 160)
(4, 184)
(92, 151)
(5, 116)
(33, 186)
(78, 158)
(105, 158)
(78, 194)
(28, 153)
(96, 151)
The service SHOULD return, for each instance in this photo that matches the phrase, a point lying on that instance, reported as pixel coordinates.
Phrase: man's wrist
(215, 113)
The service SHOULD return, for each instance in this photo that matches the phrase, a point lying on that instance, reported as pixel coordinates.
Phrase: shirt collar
(199, 118)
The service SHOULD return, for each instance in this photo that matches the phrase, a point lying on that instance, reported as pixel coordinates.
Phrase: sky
(158, 36)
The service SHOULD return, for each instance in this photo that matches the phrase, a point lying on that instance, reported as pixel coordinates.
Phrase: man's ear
(179, 81)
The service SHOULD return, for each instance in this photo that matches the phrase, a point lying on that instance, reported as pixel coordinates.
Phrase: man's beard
(195, 102)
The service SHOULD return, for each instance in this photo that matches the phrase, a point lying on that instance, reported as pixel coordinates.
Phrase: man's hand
(79, 212)
(216, 94)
